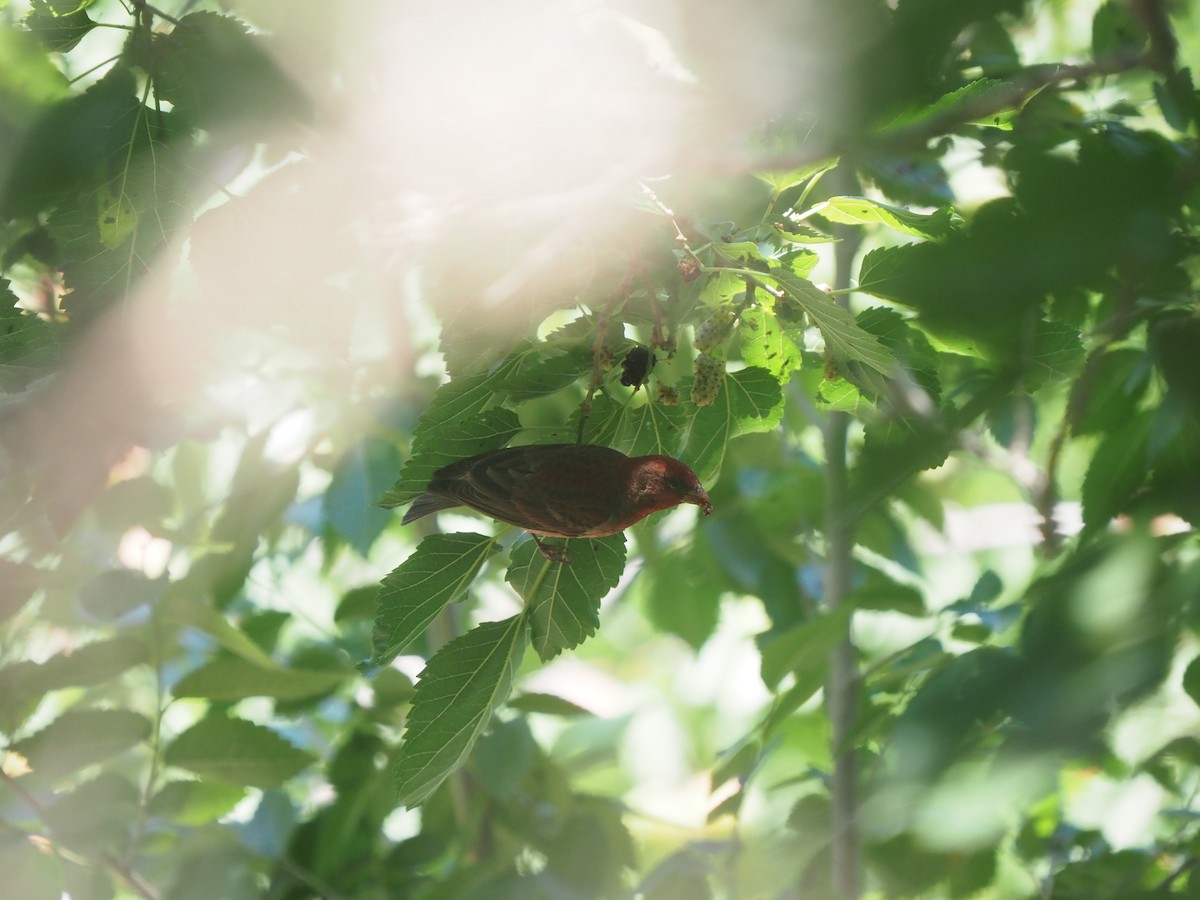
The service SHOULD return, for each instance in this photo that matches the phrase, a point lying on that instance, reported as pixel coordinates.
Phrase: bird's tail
(425, 504)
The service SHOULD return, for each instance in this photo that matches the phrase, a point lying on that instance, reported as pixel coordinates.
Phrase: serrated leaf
(910, 346)
(781, 181)
(1057, 351)
(67, 143)
(234, 678)
(460, 688)
(750, 400)
(990, 94)
(236, 751)
(766, 345)
(216, 73)
(58, 31)
(638, 428)
(843, 336)
(562, 602)
(438, 443)
(438, 573)
(79, 738)
(1119, 466)
(804, 651)
(862, 211)
(538, 374)
(880, 268)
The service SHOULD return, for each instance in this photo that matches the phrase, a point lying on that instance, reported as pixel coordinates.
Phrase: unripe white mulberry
(713, 330)
(709, 373)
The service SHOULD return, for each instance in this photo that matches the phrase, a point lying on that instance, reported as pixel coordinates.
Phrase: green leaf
(234, 678)
(562, 602)
(23, 684)
(460, 688)
(640, 427)
(97, 815)
(804, 651)
(1118, 381)
(1118, 468)
(217, 74)
(1191, 680)
(547, 705)
(843, 336)
(28, 79)
(194, 802)
(438, 573)
(58, 31)
(236, 751)
(1057, 351)
(681, 591)
(79, 738)
(180, 608)
(766, 345)
(362, 474)
(880, 269)
(781, 181)
(68, 143)
(536, 374)
(861, 211)
(1117, 31)
(750, 400)
(443, 441)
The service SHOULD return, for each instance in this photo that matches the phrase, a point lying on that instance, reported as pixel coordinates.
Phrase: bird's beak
(700, 498)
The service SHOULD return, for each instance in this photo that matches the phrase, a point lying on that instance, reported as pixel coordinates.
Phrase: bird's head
(660, 482)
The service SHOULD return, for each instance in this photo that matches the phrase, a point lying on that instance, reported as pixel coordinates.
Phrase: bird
(562, 490)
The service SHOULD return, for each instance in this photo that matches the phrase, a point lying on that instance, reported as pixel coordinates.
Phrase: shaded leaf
(236, 751)
(439, 572)
(97, 815)
(562, 602)
(79, 738)
(1118, 468)
(460, 688)
(362, 474)
(804, 651)
(217, 74)
(235, 678)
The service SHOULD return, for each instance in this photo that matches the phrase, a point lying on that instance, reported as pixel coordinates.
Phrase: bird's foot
(552, 552)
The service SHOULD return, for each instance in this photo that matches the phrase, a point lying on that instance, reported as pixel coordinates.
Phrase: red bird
(562, 490)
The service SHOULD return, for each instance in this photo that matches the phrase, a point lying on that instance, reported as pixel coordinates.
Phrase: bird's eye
(674, 483)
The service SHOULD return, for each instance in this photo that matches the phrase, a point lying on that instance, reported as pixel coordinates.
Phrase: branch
(844, 682)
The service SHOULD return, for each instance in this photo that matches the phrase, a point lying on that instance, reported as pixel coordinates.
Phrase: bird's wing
(542, 491)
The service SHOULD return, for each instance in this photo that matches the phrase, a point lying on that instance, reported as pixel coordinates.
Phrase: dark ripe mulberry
(708, 374)
(636, 366)
(713, 330)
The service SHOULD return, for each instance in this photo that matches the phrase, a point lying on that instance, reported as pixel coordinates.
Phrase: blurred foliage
(240, 250)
